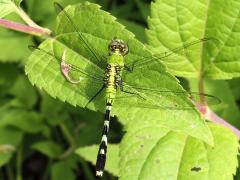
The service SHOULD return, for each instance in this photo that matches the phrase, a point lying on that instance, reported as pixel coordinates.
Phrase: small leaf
(90, 154)
(144, 8)
(10, 139)
(25, 93)
(27, 121)
(48, 148)
(64, 169)
(8, 6)
(7, 78)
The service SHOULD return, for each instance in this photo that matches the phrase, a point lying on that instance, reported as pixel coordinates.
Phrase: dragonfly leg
(65, 68)
(129, 69)
(133, 93)
(121, 84)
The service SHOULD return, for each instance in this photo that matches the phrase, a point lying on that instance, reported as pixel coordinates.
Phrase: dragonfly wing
(185, 52)
(44, 68)
(79, 37)
(154, 99)
(155, 87)
(164, 99)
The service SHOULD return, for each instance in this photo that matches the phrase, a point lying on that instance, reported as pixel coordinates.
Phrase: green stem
(71, 149)
(67, 134)
(46, 171)
(9, 172)
(70, 139)
(201, 88)
(19, 164)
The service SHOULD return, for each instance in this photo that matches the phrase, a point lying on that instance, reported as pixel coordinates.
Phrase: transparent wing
(163, 99)
(67, 68)
(186, 50)
(98, 57)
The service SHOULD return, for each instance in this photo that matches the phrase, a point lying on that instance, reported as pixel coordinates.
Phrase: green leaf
(223, 156)
(44, 71)
(235, 88)
(27, 121)
(174, 23)
(52, 109)
(48, 148)
(9, 140)
(64, 170)
(12, 40)
(6, 78)
(144, 8)
(89, 153)
(154, 152)
(123, 11)
(8, 6)
(137, 29)
(44, 11)
(25, 93)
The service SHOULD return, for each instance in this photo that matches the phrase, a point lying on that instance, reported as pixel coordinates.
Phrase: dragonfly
(109, 80)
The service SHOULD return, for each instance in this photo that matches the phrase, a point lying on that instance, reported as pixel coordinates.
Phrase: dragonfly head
(118, 46)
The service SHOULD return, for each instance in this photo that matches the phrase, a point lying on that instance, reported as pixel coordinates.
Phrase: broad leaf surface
(99, 28)
(25, 94)
(8, 6)
(173, 23)
(26, 121)
(154, 152)
(89, 153)
(48, 148)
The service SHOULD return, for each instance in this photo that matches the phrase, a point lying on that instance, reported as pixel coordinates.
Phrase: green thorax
(116, 59)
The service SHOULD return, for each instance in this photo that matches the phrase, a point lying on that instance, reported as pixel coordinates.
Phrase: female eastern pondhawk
(112, 80)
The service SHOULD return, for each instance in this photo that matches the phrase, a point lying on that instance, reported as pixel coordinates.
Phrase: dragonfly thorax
(118, 46)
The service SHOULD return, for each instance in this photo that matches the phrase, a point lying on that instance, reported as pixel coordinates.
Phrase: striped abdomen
(112, 82)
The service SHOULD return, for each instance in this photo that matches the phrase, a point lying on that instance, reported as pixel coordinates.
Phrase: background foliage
(44, 138)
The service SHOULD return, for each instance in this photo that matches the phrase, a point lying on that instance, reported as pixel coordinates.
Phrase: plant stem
(67, 134)
(47, 169)
(28, 20)
(210, 115)
(71, 149)
(70, 140)
(23, 28)
(201, 88)
(9, 172)
(19, 164)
